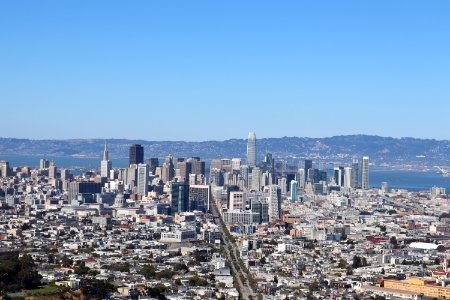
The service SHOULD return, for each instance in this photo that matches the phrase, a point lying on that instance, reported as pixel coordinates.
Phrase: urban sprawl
(241, 229)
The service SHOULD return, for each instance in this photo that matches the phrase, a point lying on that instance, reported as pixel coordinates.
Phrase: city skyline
(225, 150)
(377, 65)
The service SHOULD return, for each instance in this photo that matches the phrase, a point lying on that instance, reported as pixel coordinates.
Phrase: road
(245, 289)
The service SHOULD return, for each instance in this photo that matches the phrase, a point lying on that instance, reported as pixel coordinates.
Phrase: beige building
(429, 288)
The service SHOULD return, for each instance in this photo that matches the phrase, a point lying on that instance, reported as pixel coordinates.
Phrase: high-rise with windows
(274, 201)
(52, 170)
(136, 154)
(142, 179)
(43, 164)
(4, 168)
(308, 166)
(153, 163)
(106, 164)
(365, 173)
(294, 186)
(355, 174)
(251, 150)
(179, 197)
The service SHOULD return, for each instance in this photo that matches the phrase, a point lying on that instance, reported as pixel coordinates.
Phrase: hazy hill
(339, 148)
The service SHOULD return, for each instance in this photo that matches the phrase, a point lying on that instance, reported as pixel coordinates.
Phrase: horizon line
(223, 140)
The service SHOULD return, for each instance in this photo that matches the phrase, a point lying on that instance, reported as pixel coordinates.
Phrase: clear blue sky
(198, 70)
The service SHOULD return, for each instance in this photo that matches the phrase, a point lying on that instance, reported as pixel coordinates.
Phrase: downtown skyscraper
(365, 173)
(106, 164)
(136, 154)
(251, 150)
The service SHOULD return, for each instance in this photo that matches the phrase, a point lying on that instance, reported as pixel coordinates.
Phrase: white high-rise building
(282, 184)
(347, 177)
(256, 175)
(237, 201)
(301, 178)
(106, 164)
(365, 173)
(236, 164)
(142, 179)
(251, 150)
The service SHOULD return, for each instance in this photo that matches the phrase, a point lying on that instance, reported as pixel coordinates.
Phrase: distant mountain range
(399, 152)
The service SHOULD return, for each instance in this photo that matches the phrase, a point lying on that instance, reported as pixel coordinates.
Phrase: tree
(314, 286)
(93, 288)
(66, 262)
(18, 273)
(157, 292)
(197, 281)
(359, 262)
(81, 269)
(342, 264)
(148, 271)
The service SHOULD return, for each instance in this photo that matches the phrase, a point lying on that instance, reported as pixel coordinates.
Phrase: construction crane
(443, 172)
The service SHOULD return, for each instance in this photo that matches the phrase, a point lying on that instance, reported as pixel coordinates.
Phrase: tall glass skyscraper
(365, 173)
(251, 149)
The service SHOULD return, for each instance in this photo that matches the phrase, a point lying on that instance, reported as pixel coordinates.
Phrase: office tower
(131, 176)
(216, 177)
(142, 180)
(77, 188)
(4, 168)
(251, 150)
(199, 197)
(342, 170)
(235, 164)
(106, 164)
(294, 191)
(365, 173)
(384, 187)
(226, 165)
(52, 170)
(168, 169)
(136, 154)
(282, 184)
(216, 164)
(197, 166)
(337, 176)
(244, 175)
(179, 197)
(192, 180)
(65, 179)
(256, 174)
(274, 201)
(153, 163)
(301, 178)
(43, 164)
(236, 201)
(270, 166)
(308, 166)
(355, 174)
(185, 168)
(112, 174)
(347, 177)
(265, 179)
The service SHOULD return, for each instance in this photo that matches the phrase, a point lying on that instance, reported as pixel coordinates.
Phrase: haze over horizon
(220, 140)
(210, 71)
